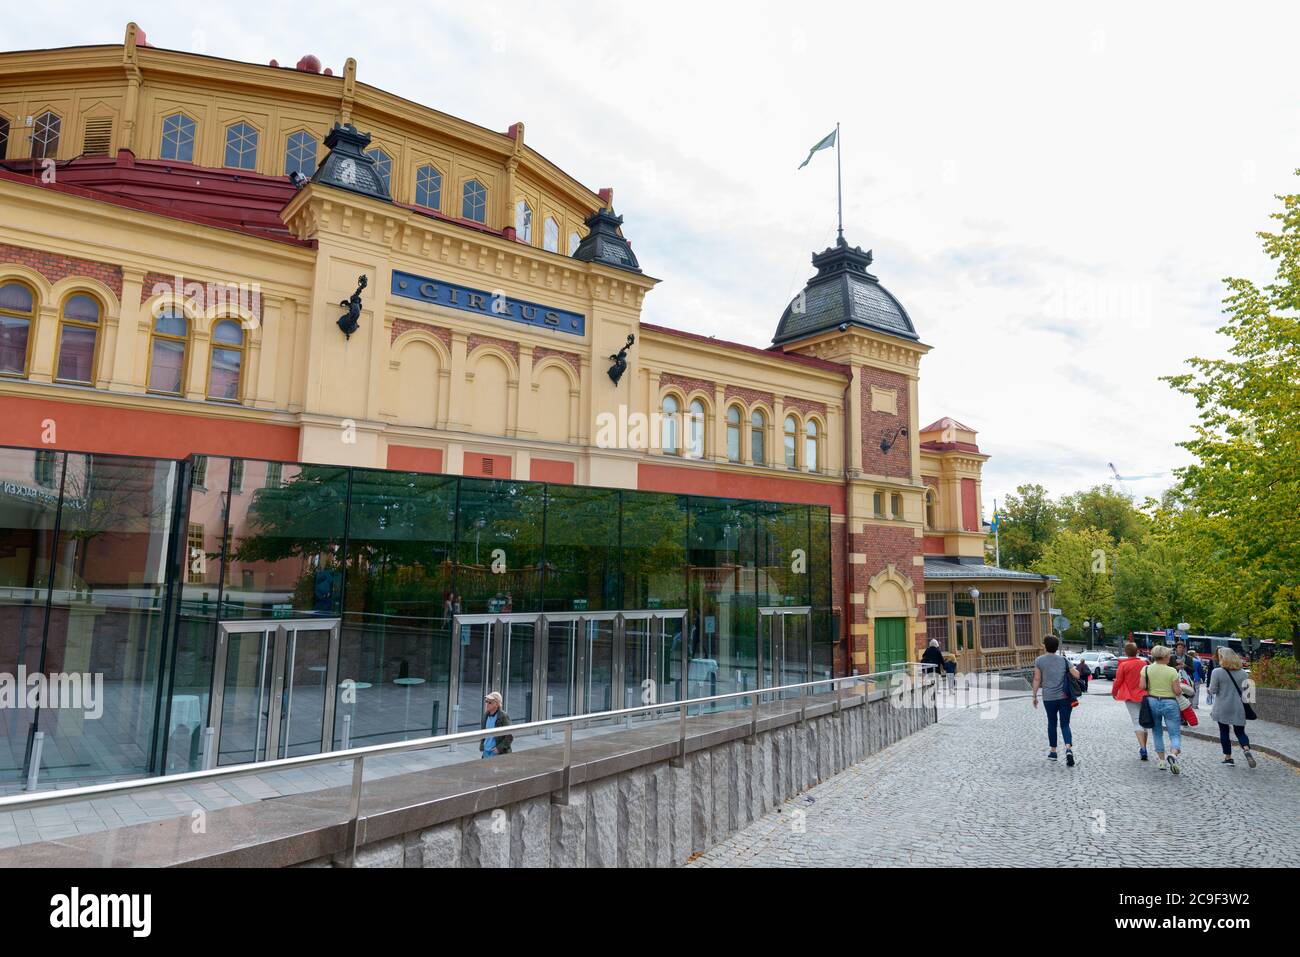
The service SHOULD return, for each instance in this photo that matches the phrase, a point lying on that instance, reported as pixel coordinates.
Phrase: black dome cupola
(843, 292)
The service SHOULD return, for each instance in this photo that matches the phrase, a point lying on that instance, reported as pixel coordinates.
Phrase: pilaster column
(719, 423)
(528, 413)
(778, 432)
(132, 323)
(457, 410)
(854, 452)
(44, 331)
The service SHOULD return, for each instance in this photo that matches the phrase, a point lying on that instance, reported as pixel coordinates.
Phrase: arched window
(473, 202)
(383, 167)
(551, 235)
(168, 344)
(791, 442)
(227, 361)
(669, 410)
(299, 154)
(758, 437)
(733, 434)
(428, 187)
(523, 222)
(241, 146)
(811, 443)
(78, 331)
(695, 430)
(574, 242)
(46, 130)
(178, 138)
(930, 519)
(17, 312)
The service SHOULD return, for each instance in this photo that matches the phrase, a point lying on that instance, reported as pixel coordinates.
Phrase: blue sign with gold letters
(494, 305)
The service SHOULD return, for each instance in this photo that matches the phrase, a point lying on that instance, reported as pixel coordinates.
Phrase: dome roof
(843, 292)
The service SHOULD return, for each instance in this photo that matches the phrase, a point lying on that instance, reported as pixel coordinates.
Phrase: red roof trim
(112, 199)
(753, 350)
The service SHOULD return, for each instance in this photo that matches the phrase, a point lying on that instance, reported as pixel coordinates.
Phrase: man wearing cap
(494, 717)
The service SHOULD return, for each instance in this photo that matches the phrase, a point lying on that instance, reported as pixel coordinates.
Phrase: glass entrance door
(494, 653)
(783, 646)
(274, 689)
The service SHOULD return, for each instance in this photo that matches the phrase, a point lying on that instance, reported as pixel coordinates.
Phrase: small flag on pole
(826, 142)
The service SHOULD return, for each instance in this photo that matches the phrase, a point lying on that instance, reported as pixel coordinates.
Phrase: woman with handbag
(1162, 685)
(1230, 708)
(1052, 675)
(1125, 688)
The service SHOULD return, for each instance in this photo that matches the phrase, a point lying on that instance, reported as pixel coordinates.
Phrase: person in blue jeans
(1163, 686)
(1050, 670)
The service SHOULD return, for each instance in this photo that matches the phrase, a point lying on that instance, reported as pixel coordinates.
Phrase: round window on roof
(16, 297)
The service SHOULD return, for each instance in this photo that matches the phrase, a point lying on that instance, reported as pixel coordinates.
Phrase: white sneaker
(1162, 766)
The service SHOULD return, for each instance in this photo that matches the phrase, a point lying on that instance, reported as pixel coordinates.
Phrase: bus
(1203, 646)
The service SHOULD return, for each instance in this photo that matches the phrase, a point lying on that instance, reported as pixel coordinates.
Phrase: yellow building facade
(181, 235)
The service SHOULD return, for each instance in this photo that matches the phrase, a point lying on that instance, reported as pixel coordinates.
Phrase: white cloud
(1053, 193)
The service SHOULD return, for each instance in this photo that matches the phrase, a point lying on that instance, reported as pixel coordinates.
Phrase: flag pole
(839, 183)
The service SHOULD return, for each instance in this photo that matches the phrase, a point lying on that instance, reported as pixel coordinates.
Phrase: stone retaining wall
(656, 815)
(1278, 704)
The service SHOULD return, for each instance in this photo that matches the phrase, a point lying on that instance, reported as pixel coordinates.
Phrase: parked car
(1109, 669)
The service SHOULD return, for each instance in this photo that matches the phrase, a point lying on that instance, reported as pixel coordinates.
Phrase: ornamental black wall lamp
(349, 321)
(620, 360)
(887, 441)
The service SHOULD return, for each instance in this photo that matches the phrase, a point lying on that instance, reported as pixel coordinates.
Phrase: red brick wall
(897, 463)
(970, 515)
(401, 326)
(477, 464)
(574, 361)
(55, 267)
(408, 458)
(155, 283)
(686, 384)
(749, 396)
(932, 545)
(884, 545)
(100, 428)
(548, 470)
(510, 346)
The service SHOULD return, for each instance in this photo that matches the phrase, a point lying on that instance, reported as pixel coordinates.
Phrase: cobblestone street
(980, 791)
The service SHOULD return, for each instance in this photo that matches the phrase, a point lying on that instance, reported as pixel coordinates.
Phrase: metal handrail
(358, 755)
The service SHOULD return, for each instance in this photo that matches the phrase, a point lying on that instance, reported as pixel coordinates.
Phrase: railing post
(209, 735)
(839, 695)
(550, 713)
(354, 809)
(680, 760)
(347, 732)
(568, 763)
(753, 718)
(34, 771)
(803, 704)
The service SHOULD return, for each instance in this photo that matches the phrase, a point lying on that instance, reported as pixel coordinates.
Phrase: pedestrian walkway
(979, 791)
(1281, 740)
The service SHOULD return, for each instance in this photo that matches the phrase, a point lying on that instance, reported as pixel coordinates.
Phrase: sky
(1055, 195)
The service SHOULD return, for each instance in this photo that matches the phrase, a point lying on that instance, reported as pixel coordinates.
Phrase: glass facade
(289, 608)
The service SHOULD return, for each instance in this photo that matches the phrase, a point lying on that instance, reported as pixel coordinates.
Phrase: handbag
(1250, 712)
(1145, 718)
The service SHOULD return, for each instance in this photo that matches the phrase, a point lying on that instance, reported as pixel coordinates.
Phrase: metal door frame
(782, 611)
(285, 632)
(492, 667)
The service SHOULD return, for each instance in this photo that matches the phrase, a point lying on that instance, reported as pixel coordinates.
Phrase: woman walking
(1226, 684)
(1161, 684)
(1126, 688)
(1049, 675)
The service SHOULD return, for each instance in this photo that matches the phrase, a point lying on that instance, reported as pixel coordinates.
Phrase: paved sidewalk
(976, 791)
(1280, 740)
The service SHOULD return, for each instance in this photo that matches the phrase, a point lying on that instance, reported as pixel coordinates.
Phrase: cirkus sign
(495, 305)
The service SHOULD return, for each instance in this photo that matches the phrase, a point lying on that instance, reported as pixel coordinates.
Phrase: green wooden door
(891, 643)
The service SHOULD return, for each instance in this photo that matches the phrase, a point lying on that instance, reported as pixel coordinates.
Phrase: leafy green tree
(1083, 560)
(1246, 477)
(1105, 508)
(1028, 520)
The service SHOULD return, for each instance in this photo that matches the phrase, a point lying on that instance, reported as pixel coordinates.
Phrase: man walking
(494, 717)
